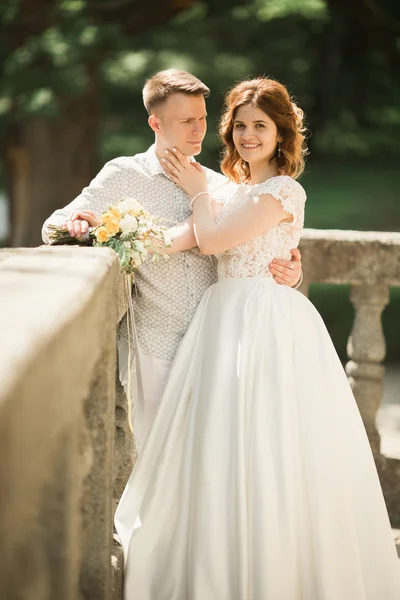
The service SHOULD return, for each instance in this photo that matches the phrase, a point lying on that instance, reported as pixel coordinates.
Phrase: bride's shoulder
(284, 186)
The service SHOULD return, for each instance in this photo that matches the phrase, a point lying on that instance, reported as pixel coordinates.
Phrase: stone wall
(59, 313)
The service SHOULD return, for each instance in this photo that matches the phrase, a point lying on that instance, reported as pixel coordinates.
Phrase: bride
(257, 481)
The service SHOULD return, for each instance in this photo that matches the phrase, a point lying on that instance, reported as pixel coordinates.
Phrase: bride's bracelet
(197, 196)
(300, 281)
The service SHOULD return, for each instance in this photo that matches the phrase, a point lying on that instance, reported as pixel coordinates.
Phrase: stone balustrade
(65, 447)
(370, 263)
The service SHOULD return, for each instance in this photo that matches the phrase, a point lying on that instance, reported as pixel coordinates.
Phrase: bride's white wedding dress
(257, 481)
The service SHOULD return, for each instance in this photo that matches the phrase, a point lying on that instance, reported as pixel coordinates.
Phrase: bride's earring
(279, 150)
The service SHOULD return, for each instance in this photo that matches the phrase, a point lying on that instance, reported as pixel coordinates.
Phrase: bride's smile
(255, 135)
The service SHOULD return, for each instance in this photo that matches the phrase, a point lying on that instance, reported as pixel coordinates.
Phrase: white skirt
(257, 481)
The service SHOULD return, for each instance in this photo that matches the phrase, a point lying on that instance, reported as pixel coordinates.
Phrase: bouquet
(126, 227)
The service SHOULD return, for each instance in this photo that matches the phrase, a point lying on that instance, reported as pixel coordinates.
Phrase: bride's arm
(251, 219)
(182, 237)
(216, 208)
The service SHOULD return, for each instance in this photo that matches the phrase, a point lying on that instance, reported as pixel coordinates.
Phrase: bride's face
(255, 135)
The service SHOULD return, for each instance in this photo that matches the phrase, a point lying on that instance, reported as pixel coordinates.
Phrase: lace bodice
(251, 258)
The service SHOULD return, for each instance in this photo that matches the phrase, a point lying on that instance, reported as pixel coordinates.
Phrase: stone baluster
(366, 350)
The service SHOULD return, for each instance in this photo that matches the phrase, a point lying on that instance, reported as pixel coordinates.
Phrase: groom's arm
(182, 237)
(106, 188)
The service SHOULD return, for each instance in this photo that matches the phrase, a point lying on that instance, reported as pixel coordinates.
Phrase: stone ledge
(352, 235)
(59, 310)
(42, 290)
(355, 257)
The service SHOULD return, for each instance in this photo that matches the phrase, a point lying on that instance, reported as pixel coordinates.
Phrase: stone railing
(370, 263)
(59, 311)
(65, 448)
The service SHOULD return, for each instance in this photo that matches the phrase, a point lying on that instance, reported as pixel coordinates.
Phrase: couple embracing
(255, 480)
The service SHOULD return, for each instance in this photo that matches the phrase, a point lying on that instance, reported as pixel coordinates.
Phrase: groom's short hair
(172, 81)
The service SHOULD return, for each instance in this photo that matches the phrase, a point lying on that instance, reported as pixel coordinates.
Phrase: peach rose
(102, 235)
(112, 227)
(106, 217)
(111, 215)
(116, 213)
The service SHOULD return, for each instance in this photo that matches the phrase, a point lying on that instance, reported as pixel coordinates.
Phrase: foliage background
(340, 59)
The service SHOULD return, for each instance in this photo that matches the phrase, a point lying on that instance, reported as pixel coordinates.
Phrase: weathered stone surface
(397, 540)
(59, 309)
(117, 568)
(124, 450)
(356, 257)
(366, 349)
(389, 475)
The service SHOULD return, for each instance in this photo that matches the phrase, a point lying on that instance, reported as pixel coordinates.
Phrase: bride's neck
(262, 172)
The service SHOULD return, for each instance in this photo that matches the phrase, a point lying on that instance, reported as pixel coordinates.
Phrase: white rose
(128, 224)
(128, 204)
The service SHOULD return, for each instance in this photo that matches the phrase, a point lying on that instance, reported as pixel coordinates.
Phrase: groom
(168, 292)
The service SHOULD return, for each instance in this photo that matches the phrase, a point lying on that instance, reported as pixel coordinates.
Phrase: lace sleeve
(289, 192)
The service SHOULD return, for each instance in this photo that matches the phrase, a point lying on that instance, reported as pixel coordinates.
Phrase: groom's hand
(287, 272)
(79, 222)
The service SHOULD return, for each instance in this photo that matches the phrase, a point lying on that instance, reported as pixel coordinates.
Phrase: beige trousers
(155, 373)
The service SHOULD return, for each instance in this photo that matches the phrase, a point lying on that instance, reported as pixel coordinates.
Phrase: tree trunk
(49, 160)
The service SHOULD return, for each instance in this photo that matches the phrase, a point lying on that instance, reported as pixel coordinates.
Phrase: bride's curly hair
(274, 100)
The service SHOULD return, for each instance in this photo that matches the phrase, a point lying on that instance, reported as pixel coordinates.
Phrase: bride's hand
(190, 176)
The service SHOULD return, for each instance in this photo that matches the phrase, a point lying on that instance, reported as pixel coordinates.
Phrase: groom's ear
(154, 123)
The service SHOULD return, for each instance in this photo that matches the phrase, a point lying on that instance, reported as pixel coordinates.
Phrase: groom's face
(182, 123)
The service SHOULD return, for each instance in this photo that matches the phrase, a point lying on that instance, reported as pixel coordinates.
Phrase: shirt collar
(154, 164)
(152, 161)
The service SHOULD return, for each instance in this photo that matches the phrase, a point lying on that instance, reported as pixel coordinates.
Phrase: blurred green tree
(72, 73)
(51, 56)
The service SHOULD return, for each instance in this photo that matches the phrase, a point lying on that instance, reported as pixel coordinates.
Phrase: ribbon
(131, 324)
